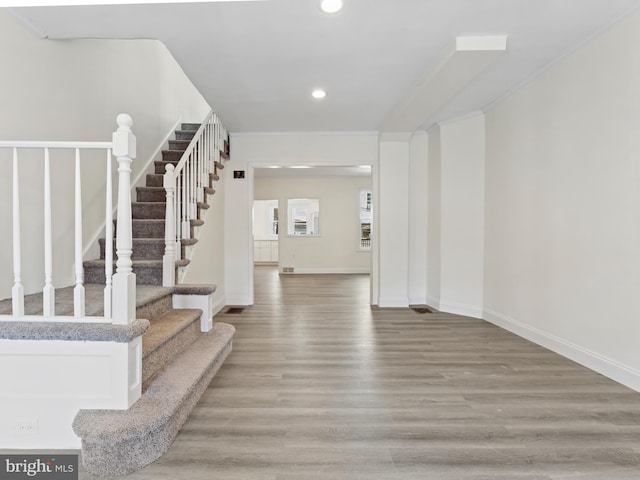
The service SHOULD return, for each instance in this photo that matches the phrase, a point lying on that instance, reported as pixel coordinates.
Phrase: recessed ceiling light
(331, 6)
(318, 93)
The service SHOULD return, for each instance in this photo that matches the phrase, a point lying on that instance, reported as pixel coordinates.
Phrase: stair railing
(185, 187)
(119, 291)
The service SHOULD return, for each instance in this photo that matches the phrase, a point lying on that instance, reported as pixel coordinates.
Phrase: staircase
(148, 219)
(178, 363)
(178, 360)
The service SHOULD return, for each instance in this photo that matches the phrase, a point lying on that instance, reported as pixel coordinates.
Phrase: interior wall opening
(313, 220)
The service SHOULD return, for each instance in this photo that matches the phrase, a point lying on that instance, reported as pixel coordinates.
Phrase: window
(274, 221)
(366, 214)
(265, 219)
(304, 216)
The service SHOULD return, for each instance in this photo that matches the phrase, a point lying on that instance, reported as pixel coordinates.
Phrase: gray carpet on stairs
(122, 442)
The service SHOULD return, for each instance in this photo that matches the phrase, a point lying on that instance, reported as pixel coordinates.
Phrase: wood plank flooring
(322, 386)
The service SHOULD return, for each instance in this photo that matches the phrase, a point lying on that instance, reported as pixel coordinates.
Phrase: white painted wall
(259, 150)
(562, 246)
(462, 145)
(207, 261)
(393, 231)
(335, 250)
(73, 90)
(434, 206)
(455, 249)
(418, 201)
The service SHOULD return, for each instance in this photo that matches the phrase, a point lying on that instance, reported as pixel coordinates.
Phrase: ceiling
(387, 65)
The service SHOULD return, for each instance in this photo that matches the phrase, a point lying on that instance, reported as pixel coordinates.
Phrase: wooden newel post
(169, 258)
(124, 280)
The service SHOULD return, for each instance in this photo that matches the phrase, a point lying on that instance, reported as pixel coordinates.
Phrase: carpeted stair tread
(94, 295)
(117, 442)
(185, 134)
(151, 194)
(179, 144)
(136, 263)
(143, 248)
(148, 272)
(209, 190)
(171, 156)
(165, 326)
(148, 210)
(155, 180)
(168, 335)
(190, 126)
(147, 227)
(151, 248)
(214, 177)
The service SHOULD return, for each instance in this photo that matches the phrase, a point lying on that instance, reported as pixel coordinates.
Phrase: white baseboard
(219, 305)
(433, 302)
(461, 309)
(393, 302)
(418, 300)
(238, 300)
(329, 271)
(609, 368)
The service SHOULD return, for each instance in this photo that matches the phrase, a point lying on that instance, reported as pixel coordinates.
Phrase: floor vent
(422, 309)
(234, 310)
(287, 269)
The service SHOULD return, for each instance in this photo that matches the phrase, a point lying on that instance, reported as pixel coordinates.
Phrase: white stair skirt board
(97, 375)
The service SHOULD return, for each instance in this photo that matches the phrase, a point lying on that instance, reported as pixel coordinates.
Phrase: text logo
(49, 467)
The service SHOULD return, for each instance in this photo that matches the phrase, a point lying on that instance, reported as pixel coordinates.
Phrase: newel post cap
(124, 141)
(169, 176)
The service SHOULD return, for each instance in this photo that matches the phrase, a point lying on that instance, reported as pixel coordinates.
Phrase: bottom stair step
(168, 335)
(117, 442)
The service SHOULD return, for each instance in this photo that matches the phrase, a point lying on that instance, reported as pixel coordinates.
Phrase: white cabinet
(265, 251)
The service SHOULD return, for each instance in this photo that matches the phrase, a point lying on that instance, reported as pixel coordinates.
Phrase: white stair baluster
(108, 241)
(78, 291)
(200, 174)
(48, 293)
(169, 258)
(17, 292)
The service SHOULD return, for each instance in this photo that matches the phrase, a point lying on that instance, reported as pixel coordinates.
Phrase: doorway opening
(266, 227)
(314, 220)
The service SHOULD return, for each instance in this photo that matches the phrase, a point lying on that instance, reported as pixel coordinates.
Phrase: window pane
(304, 216)
(365, 219)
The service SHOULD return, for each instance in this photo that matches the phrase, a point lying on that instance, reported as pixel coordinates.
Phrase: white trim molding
(618, 372)
(461, 309)
(393, 302)
(327, 271)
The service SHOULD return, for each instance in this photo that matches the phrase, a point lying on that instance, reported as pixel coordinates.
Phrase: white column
(418, 202)
(124, 281)
(393, 222)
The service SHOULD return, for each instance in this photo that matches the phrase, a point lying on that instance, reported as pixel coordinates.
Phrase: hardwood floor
(322, 386)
